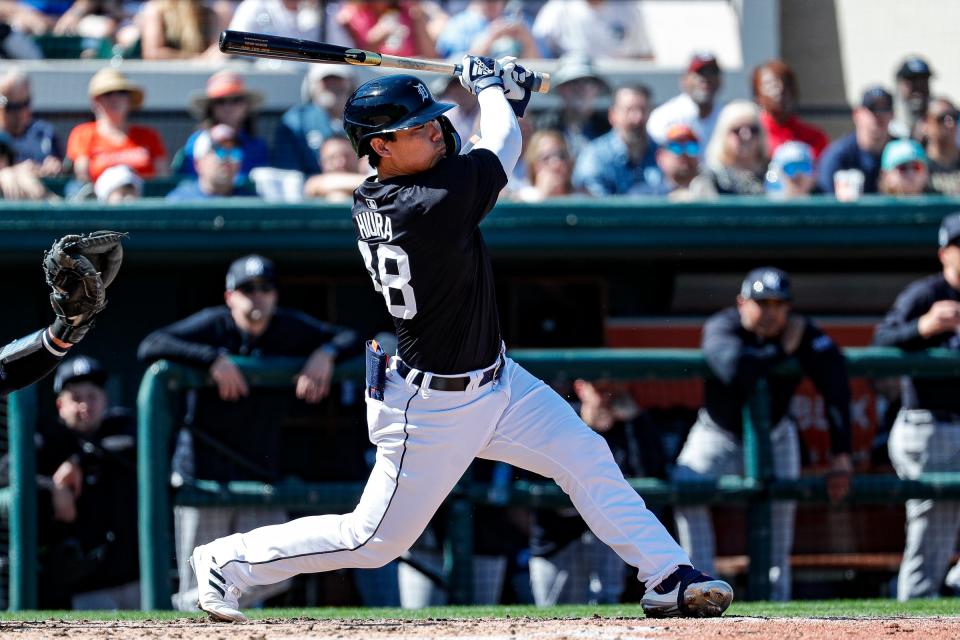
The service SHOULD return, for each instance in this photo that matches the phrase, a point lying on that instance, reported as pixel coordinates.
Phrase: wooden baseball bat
(282, 48)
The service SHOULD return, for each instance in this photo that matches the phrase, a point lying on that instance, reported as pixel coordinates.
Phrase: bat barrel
(282, 48)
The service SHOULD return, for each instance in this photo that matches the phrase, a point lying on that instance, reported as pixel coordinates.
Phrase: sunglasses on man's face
(947, 118)
(228, 100)
(798, 168)
(249, 288)
(910, 167)
(6, 105)
(231, 154)
(690, 149)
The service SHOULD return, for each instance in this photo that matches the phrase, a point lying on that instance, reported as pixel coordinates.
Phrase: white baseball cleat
(687, 593)
(216, 596)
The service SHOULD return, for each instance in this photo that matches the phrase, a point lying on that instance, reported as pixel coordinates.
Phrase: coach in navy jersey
(450, 394)
(925, 438)
(742, 344)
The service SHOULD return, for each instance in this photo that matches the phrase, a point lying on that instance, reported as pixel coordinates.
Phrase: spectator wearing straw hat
(579, 86)
(111, 139)
(695, 106)
(227, 100)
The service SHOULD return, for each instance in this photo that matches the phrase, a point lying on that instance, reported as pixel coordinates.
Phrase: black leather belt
(456, 383)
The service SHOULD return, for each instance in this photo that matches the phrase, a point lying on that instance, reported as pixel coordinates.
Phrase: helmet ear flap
(450, 136)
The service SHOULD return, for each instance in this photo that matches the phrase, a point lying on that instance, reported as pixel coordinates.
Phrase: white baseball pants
(918, 444)
(710, 451)
(425, 440)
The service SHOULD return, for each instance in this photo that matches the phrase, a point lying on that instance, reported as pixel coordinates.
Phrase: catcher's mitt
(78, 269)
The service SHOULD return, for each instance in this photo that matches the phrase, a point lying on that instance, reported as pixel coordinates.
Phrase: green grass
(798, 609)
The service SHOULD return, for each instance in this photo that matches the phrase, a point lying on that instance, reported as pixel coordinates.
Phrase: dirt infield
(935, 628)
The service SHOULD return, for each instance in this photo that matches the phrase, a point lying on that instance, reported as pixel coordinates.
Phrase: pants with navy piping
(425, 440)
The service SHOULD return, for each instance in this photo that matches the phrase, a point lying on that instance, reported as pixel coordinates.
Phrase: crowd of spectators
(690, 146)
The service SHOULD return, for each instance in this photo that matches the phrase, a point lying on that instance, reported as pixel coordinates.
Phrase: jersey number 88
(396, 289)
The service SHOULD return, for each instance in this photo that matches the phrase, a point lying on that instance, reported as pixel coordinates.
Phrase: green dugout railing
(163, 381)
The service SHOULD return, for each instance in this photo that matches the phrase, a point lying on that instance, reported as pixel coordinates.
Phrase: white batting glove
(514, 77)
(479, 73)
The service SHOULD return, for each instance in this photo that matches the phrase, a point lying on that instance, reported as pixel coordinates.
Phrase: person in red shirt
(110, 139)
(775, 90)
(393, 27)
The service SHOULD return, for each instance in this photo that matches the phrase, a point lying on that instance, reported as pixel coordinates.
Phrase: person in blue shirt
(217, 160)
(862, 148)
(304, 127)
(624, 160)
(227, 100)
(31, 138)
(488, 28)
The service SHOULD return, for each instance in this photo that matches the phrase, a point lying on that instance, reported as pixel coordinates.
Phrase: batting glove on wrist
(516, 81)
(479, 73)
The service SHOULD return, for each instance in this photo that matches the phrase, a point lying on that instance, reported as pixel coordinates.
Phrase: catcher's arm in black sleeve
(24, 361)
(78, 269)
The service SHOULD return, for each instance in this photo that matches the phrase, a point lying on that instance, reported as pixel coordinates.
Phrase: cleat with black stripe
(687, 593)
(216, 596)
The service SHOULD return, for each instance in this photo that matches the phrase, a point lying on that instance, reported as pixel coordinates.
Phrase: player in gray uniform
(450, 394)
(742, 344)
(926, 434)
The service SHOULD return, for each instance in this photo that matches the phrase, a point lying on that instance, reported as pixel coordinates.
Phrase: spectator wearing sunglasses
(549, 167)
(111, 138)
(696, 105)
(791, 172)
(904, 169)
(943, 154)
(736, 157)
(622, 161)
(861, 149)
(679, 162)
(217, 160)
(775, 91)
(233, 431)
(34, 140)
(227, 100)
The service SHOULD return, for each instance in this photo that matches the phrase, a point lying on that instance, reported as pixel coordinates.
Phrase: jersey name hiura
(420, 242)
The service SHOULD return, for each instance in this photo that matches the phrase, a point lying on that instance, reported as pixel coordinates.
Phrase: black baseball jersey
(899, 329)
(419, 238)
(739, 357)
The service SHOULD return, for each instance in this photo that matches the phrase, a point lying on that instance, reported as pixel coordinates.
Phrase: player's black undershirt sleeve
(24, 361)
(732, 361)
(823, 362)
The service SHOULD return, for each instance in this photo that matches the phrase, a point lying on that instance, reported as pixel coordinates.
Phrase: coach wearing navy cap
(741, 344)
(913, 97)
(233, 430)
(87, 502)
(926, 434)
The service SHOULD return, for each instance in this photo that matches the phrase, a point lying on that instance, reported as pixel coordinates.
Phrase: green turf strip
(800, 608)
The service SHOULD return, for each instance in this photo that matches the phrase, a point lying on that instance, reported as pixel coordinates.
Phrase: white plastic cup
(848, 184)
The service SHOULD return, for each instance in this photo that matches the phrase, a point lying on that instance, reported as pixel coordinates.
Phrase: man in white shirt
(599, 28)
(695, 106)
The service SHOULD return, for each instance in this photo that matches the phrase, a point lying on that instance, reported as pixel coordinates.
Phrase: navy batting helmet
(393, 103)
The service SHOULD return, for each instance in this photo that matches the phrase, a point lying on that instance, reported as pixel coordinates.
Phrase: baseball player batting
(450, 394)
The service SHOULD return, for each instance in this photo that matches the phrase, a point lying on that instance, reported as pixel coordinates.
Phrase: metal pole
(758, 466)
(21, 420)
(154, 424)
